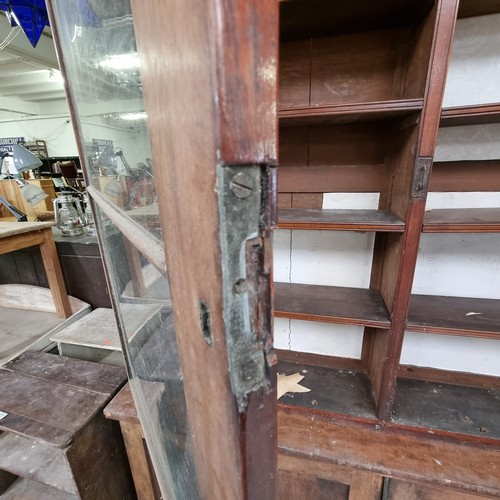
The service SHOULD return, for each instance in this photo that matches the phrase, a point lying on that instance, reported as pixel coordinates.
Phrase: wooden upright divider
(408, 200)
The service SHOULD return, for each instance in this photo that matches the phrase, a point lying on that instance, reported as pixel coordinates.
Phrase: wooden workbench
(18, 235)
(52, 429)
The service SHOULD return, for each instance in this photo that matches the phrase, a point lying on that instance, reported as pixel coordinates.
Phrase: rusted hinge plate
(421, 175)
(245, 212)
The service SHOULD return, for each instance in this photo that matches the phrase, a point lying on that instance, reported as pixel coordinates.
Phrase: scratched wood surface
(226, 58)
(61, 381)
(438, 458)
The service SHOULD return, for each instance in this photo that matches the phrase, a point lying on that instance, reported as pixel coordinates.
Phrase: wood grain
(333, 179)
(342, 220)
(330, 304)
(401, 255)
(479, 114)
(409, 490)
(348, 113)
(94, 377)
(362, 485)
(136, 452)
(335, 390)
(60, 379)
(466, 410)
(448, 377)
(19, 235)
(446, 459)
(462, 220)
(414, 58)
(122, 409)
(306, 358)
(20, 241)
(221, 49)
(295, 74)
(308, 201)
(449, 316)
(355, 68)
(300, 485)
(465, 175)
(54, 275)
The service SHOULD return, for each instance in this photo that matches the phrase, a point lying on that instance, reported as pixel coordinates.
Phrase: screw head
(240, 286)
(241, 185)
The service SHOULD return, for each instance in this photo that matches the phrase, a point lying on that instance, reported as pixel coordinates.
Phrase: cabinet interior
(357, 103)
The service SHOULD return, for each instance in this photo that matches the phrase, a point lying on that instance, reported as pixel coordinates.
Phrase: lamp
(23, 160)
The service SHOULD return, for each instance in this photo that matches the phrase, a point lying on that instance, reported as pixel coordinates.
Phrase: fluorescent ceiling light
(121, 62)
(134, 116)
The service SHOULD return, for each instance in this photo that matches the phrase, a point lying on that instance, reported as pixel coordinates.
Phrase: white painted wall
(474, 72)
(336, 258)
(57, 132)
(457, 265)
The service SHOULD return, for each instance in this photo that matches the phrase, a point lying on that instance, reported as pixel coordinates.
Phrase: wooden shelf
(452, 316)
(341, 220)
(479, 114)
(336, 390)
(458, 411)
(348, 113)
(462, 220)
(454, 408)
(330, 304)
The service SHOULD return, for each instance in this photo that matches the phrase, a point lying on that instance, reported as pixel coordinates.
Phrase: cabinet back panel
(415, 59)
(300, 19)
(456, 176)
(336, 158)
(357, 144)
(295, 74)
(293, 485)
(358, 67)
(333, 179)
(293, 150)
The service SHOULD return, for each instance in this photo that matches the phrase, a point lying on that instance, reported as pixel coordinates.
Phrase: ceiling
(30, 82)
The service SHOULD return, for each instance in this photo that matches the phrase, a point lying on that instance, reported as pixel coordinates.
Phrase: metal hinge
(421, 175)
(246, 216)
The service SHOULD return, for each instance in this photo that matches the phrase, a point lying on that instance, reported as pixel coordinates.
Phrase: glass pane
(150, 347)
(101, 63)
(102, 66)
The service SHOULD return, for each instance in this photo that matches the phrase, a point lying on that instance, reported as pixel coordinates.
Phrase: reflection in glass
(103, 72)
(142, 295)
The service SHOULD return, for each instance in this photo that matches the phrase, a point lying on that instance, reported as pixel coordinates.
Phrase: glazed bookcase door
(173, 104)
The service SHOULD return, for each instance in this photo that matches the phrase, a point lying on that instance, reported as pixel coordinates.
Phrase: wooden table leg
(54, 275)
(135, 269)
(132, 436)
